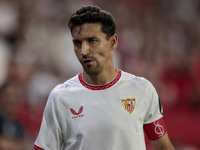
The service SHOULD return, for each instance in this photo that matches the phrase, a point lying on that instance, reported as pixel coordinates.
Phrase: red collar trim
(99, 87)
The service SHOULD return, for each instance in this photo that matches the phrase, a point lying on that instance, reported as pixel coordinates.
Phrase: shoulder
(66, 86)
(138, 81)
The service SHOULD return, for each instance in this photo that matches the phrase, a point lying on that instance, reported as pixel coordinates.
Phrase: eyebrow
(88, 38)
(75, 40)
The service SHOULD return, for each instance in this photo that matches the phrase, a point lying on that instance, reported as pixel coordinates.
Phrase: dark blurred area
(158, 40)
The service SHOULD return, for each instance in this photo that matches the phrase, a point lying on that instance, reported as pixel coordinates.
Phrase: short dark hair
(93, 14)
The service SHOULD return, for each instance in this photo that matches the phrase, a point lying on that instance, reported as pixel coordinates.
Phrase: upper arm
(50, 135)
(154, 125)
(162, 143)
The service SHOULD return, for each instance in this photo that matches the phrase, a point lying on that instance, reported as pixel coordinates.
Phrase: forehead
(88, 30)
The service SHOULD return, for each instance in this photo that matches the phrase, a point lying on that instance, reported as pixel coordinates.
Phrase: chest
(105, 110)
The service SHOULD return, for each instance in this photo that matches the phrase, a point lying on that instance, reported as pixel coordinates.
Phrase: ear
(113, 42)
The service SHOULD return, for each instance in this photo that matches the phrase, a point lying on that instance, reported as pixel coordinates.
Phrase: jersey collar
(100, 87)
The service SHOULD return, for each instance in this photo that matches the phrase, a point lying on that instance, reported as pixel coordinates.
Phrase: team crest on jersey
(129, 104)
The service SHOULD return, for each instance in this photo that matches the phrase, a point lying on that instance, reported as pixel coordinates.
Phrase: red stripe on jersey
(37, 148)
(129, 108)
(155, 130)
(99, 87)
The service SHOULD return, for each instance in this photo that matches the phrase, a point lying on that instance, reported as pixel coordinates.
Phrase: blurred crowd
(158, 40)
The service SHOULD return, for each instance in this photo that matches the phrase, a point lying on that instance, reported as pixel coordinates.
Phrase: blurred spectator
(4, 60)
(8, 18)
(194, 103)
(11, 131)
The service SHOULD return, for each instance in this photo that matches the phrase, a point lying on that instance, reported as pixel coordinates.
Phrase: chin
(93, 71)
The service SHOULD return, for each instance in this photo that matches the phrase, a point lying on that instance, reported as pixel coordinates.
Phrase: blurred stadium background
(158, 39)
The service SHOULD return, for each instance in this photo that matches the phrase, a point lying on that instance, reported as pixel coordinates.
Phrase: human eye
(92, 41)
(77, 42)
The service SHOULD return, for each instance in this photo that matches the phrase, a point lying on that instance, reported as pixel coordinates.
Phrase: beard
(92, 70)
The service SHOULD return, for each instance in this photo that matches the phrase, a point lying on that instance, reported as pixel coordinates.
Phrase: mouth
(87, 61)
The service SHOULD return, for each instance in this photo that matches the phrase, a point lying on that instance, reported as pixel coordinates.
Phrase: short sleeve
(50, 136)
(154, 109)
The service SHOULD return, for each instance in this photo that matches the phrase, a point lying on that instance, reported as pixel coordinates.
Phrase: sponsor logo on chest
(77, 114)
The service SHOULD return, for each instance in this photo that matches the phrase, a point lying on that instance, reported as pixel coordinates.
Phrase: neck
(104, 77)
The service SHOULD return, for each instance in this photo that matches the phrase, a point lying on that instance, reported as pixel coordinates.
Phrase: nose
(84, 48)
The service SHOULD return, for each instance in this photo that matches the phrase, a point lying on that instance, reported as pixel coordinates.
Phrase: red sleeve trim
(155, 130)
(37, 148)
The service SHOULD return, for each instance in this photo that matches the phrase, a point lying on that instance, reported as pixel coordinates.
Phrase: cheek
(104, 55)
(105, 52)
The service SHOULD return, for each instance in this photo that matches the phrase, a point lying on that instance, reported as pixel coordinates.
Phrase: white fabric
(102, 123)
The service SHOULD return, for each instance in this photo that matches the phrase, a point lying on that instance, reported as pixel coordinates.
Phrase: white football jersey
(79, 116)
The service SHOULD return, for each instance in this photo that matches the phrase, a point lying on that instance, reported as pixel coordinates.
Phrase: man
(101, 108)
